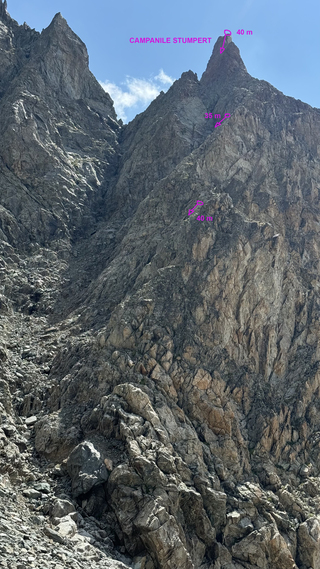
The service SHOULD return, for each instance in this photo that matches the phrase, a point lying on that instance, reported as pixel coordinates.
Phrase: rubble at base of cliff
(29, 539)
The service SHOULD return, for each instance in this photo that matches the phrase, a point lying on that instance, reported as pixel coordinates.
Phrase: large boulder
(86, 468)
(309, 543)
(161, 535)
(67, 527)
(62, 508)
(266, 549)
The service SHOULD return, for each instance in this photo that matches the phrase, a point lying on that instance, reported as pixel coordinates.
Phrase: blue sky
(284, 48)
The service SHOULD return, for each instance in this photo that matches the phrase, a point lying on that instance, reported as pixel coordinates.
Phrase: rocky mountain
(159, 389)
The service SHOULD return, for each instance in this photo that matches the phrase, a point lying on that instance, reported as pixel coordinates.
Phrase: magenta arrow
(222, 48)
(226, 116)
(224, 39)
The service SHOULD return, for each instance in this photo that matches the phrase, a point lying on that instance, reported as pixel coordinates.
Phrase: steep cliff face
(58, 133)
(163, 369)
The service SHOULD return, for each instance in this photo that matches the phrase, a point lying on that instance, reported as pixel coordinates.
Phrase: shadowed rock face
(58, 134)
(168, 367)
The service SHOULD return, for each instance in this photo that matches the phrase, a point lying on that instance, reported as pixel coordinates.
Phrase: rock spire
(3, 8)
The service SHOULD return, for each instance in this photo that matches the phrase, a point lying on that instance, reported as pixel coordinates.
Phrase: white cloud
(163, 78)
(136, 91)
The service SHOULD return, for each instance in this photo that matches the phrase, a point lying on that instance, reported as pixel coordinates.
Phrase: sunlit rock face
(164, 366)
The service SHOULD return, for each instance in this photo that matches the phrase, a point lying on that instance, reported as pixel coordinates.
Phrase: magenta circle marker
(224, 39)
